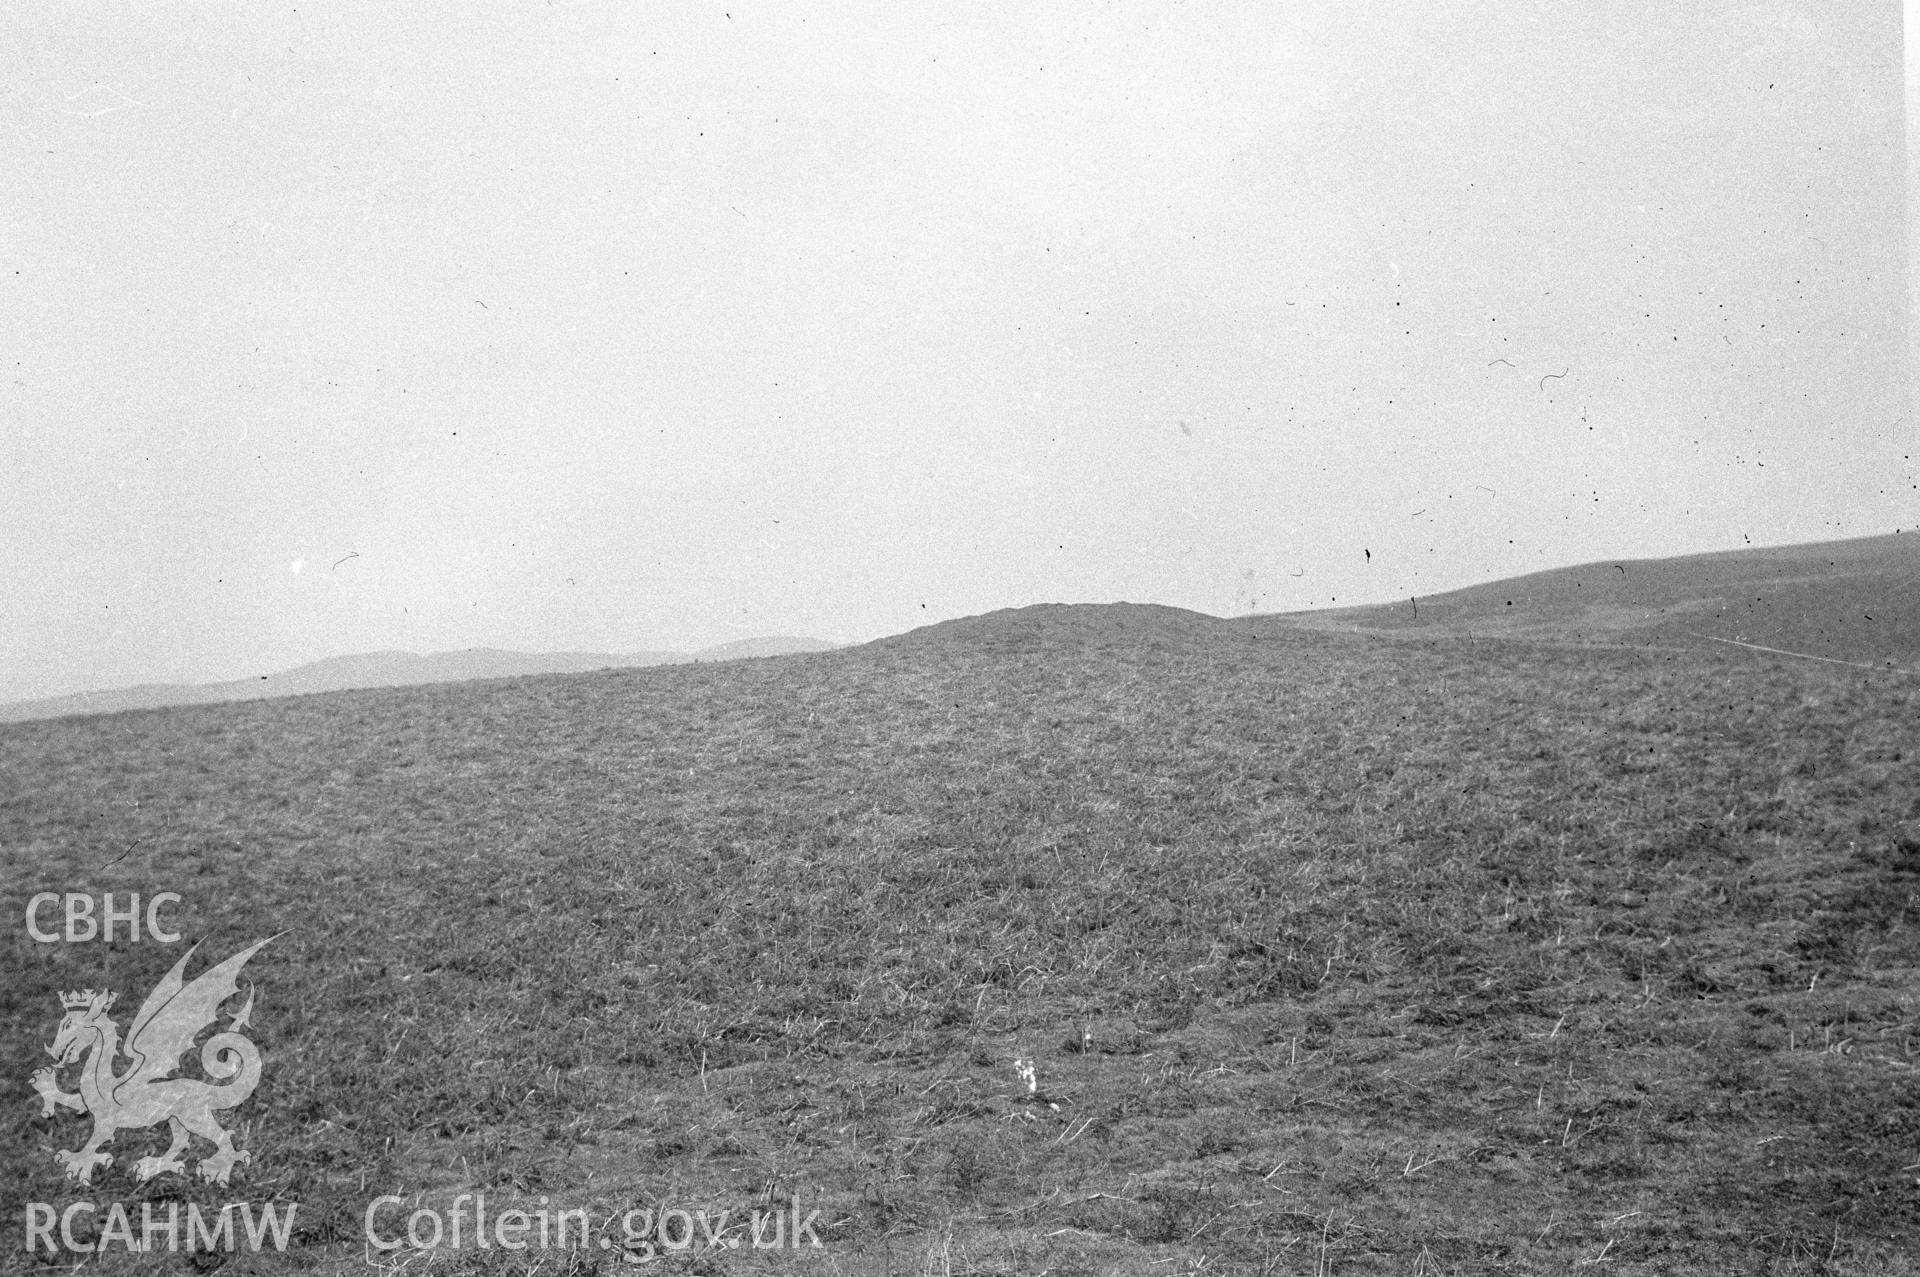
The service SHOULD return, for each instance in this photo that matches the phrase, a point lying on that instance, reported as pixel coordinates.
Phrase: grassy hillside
(388, 669)
(1332, 953)
(1840, 600)
(337, 673)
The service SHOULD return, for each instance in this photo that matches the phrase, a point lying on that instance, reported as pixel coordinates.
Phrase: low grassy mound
(1075, 624)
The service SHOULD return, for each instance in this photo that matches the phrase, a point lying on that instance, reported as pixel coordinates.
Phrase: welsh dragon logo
(147, 1094)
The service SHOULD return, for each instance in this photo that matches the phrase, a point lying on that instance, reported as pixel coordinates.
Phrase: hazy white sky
(638, 325)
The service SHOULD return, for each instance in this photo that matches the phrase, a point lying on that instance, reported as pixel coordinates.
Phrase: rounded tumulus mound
(1057, 624)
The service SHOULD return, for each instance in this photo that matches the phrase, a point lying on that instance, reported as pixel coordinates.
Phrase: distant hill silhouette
(387, 669)
(1855, 601)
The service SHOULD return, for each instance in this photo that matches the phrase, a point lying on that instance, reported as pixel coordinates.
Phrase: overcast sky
(640, 325)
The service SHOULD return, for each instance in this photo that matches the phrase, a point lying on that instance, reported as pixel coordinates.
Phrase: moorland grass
(1333, 954)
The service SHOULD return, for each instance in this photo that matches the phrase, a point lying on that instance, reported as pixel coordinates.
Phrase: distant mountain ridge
(747, 649)
(390, 669)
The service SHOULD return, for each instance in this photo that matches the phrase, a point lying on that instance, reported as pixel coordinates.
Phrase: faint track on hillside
(1805, 656)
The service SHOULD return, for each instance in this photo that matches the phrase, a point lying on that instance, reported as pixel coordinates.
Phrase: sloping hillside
(1321, 954)
(338, 673)
(389, 669)
(1842, 600)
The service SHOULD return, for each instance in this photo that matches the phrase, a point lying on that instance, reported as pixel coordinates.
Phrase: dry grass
(1333, 955)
